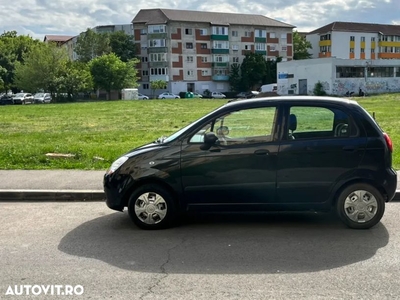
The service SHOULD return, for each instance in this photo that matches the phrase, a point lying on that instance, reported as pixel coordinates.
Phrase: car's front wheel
(360, 206)
(151, 206)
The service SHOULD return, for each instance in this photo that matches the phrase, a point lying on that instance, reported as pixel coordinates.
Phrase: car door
(322, 145)
(240, 168)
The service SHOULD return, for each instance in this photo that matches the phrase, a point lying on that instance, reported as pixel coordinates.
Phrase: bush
(319, 89)
(182, 95)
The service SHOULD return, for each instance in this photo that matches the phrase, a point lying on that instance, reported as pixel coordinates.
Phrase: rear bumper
(390, 184)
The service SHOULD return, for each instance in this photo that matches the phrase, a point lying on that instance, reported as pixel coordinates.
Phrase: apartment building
(355, 41)
(193, 50)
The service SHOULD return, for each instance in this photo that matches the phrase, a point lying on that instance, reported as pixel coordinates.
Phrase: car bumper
(390, 184)
(115, 187)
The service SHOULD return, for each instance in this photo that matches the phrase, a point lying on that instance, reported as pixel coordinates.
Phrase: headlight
(116, 164)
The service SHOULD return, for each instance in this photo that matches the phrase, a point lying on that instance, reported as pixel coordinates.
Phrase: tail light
(389, 142)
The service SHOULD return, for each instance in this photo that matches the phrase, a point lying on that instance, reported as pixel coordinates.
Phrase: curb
(52, 195)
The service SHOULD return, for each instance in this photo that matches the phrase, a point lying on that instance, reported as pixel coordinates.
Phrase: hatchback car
(279, 153)
(23, 98)
(42, 98)
(217, 95)
(168, 95)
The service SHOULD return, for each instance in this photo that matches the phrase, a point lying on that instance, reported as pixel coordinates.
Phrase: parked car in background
(168, 95)
(23, 98)
(142, 97)
(6, 99)
(217, 95)
(247, 95)
(41, 98)
(197, 95)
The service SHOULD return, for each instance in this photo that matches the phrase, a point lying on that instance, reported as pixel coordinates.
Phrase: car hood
(145, 148)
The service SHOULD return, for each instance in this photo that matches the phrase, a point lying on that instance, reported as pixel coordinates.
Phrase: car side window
(247, 126)
(311, 122)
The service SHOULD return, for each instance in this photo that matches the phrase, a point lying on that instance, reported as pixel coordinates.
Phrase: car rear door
(322, 148)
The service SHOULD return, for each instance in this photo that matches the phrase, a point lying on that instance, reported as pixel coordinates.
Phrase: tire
(163, 98)
(152, 215)
(360, 206)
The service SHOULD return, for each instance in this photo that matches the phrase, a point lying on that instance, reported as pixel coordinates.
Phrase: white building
(339, 76)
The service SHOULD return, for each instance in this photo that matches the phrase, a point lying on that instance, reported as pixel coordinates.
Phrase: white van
(273, 87)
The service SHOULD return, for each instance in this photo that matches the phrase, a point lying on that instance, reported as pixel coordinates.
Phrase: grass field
(108, 129)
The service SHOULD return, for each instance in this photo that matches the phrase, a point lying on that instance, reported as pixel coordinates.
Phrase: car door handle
(261, 152)
(349, 148)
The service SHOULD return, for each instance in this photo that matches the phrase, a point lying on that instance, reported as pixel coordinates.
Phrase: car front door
(322, 145)
(240, 168)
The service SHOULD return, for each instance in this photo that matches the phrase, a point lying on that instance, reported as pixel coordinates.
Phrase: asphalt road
(264, 256)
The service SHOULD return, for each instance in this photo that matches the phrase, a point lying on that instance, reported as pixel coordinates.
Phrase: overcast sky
(70, 17)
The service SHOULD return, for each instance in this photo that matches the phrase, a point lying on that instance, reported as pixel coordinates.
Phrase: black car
(279, 153)
(6, 99)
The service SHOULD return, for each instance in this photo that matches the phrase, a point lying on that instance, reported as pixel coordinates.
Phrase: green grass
(110, 128)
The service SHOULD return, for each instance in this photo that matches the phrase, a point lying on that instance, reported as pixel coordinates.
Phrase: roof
(384, 29)
(57, 38)
(161, 16)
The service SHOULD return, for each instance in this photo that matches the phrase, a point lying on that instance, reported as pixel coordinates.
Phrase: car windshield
(39, 95)
(19, 95)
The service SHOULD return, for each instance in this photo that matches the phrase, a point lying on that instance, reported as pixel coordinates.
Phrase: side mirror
(209, 139)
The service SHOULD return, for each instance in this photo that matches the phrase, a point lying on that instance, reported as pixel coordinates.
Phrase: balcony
(157, 36)
(388, 44)
(158, 64)
(220, 64)
(325, 43)
(220, 77)
(218, 37)
(157, 50)
(261, 40)
(159, 77)
(220, 51)
(262, 52)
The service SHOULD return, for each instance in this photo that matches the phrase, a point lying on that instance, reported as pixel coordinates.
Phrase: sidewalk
(62, 185)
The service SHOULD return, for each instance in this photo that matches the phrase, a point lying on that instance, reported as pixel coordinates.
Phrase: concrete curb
(52, 195)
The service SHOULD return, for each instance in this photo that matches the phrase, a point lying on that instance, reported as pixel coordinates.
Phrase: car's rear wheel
(360, 206)
(163, 98)
(151, 207)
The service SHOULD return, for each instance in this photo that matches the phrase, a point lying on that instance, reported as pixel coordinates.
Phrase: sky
(38, 18)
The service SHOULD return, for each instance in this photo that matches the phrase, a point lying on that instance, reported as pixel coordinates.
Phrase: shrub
(319, 89)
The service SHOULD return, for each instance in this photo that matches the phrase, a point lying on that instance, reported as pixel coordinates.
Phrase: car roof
(284, 99)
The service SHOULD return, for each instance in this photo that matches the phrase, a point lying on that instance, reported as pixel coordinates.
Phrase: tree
(234, 78)
(271, 70)
(301, 46)
(110, 73)
(41, 68)
(122, 45)
(12, 50)
(91, 44)
(74, 78)
(157, 85)
(253, 70)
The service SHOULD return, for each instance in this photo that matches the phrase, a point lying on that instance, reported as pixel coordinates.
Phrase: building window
(145, 86)
(204, 72)
(362, 50)
(351, 50)
(188, 31)
(272, 48)
(324, 49)
(259, 33)
(189, 45)
(190, 72)
(204, 59)
(203, 46)
(247, 33)
(235, 59)
(189, 59)
(235, 47)
(156, 28)
(145, 72)
(350, 72)
(381, 72)
(284, 48)
(372, 39)
(219, 30)
(159, 71)
(144, 58)
(272, 35)
(363, 39)
(372, 50)
(220, 45)
(283, 36)
(203, 32)
(156, 43)
(158, 57)
(143, 31)
(246, 47)
(235, 33)
(260, 46)
(325, 37)
(221, 58)
(352, 38)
